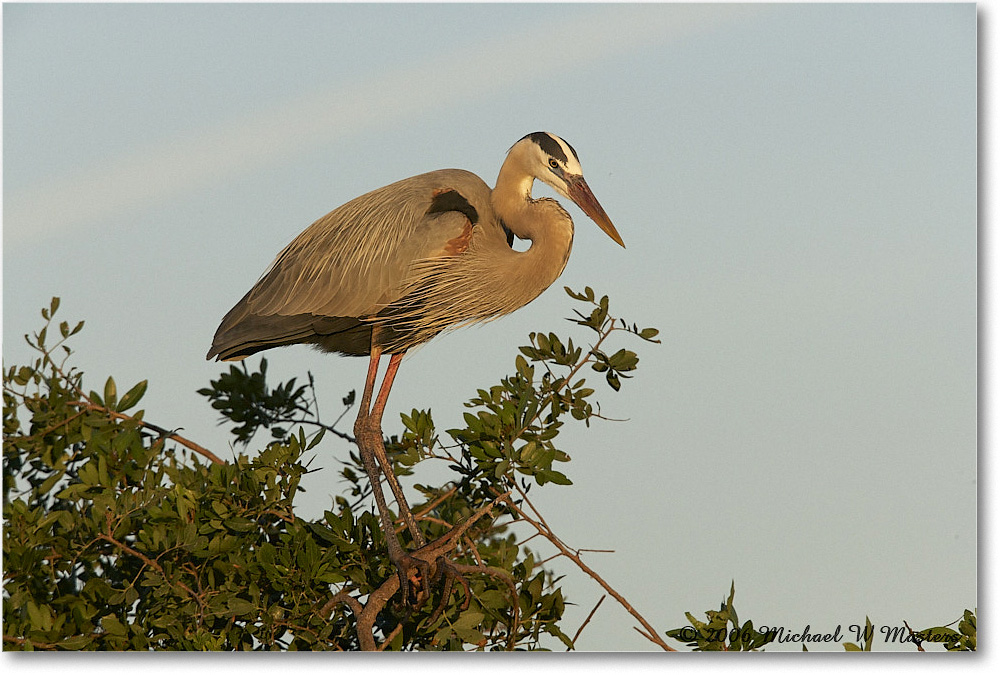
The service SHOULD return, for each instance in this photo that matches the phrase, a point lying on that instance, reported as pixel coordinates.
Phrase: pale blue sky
(796, 186)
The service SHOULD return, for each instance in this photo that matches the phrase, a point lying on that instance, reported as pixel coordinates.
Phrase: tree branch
(191, 445)
(152, 563)
(367, 613)
(585, 622)
(544, 530)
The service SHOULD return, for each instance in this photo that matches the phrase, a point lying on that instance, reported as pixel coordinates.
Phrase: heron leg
(368, 432)
(383, 460)
(445, 571)
(365, 435)
(366, 396)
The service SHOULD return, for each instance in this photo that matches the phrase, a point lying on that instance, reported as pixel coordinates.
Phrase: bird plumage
(415, 257)
(393, 268)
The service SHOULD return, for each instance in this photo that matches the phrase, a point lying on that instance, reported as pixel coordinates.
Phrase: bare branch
(585, 622)
(544, 530)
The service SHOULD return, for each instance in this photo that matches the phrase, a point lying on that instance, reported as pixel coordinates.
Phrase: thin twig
(390, 637)
(191, 445)
(550, 558)
(35, 644)
(544, 530)
(431, 506)
(326, 427)
(472, 547)
(151, 563)
(647, 635)
(285, 517)
(49, 430)
(914, 637)
(585, 622)
(565, 380)
(421, 514)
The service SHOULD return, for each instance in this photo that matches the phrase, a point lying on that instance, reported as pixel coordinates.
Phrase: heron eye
(553, 163)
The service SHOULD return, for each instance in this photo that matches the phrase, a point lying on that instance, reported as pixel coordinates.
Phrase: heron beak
(580, 193)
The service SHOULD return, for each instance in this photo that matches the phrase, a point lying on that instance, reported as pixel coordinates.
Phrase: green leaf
(470, 635)
(240, 524)
(330, 577)
(132, 396)
(316, 439)
(75, 642)
(941, 634)
(112, 625)
(968, 625)
(50, 483)
(23, 376)
(469, 619)
(542, 341)
(239, 606)
(41, 617)
(543, 476)
(623, 359)
(613, 380)
(110, 393)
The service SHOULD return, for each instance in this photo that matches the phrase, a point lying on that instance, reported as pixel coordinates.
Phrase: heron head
(553, 161)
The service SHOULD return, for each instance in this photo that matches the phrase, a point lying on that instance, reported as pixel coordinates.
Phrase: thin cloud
(151, 174)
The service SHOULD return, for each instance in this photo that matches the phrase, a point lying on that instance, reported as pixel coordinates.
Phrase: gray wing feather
(355, 260)
(347, 266)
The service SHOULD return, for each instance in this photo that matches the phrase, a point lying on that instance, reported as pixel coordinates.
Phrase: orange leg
(366, 398)
(375, 420)
(367, 437)
(383, 394)
(368, 434)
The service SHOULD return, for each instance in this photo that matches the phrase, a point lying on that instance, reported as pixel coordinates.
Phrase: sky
(796, 186)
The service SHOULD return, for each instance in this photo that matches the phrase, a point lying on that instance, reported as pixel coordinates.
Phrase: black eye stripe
(549, 145)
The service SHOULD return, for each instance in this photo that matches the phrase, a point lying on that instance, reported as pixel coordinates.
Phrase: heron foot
(414, 580)
(417, 577)
(446, 571)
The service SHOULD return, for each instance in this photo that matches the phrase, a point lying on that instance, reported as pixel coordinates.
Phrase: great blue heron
(393, 268)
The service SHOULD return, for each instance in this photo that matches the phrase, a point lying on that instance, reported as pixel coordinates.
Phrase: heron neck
(542, 221)
(512, 200)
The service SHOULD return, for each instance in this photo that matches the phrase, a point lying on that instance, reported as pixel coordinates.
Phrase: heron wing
(355, 260)
(352, 263)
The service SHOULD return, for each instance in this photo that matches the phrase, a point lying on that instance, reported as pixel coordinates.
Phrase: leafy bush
(122, 535)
